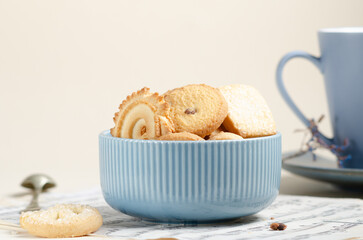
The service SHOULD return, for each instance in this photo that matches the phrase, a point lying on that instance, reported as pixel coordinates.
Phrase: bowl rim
(106, 134)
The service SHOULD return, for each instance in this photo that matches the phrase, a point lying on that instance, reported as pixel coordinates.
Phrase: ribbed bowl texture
(189, 181)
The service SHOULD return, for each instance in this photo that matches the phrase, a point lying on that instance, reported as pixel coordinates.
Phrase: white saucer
(324, 168)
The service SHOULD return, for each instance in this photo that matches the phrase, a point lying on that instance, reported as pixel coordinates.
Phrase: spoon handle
(33, 205)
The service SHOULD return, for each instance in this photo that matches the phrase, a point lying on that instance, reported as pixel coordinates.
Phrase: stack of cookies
(195, 112)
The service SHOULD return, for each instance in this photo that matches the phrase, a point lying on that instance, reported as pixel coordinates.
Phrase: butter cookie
(225, 136)
(196, 108)
(143, 115)
(62, 221)
(181, 136)
(248, 113)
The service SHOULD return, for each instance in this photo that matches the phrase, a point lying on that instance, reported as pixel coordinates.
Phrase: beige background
(65, 66)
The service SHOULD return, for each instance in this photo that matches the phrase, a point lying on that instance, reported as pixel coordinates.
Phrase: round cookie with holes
(62, 221)
(196, 108)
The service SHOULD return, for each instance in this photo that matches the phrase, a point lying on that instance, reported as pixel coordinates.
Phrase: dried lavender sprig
(317, 141)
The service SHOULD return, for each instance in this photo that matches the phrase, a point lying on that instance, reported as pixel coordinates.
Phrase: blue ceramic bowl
(190, 181)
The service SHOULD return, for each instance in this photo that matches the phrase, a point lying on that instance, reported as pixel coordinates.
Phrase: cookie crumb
(278, 226)
(272, 218)
(190, 111)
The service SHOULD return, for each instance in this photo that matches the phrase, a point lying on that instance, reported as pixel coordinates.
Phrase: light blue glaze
(189, 181)
(323, 169)
(341, 63)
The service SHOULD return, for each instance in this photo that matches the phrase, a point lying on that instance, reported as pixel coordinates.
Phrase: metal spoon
(38, 183)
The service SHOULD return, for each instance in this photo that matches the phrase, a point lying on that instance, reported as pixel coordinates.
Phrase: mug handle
(317, 62)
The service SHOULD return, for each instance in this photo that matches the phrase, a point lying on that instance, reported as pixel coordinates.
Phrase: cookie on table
(181, 136)
(248, 113)
(196, 108)
(62, 221)
(225, 136)
(142, 115)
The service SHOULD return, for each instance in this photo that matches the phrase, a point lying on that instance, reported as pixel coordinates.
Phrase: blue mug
(341, 63)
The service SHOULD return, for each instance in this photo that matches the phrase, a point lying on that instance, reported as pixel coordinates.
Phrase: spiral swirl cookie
(196, 108)
(248, 113)
(143, 115)
(181, 136)
(61, 221)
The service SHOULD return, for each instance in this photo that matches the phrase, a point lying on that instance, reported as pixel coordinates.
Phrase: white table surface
(290, 185)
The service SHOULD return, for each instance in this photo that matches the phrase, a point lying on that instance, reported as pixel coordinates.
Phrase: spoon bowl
(37, 183)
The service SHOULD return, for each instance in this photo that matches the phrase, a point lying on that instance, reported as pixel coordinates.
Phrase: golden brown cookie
(215, 132)
(248, 113)
(143, 115)
(196, 108)
(181, 136)
(62, 221)
(225, 136)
